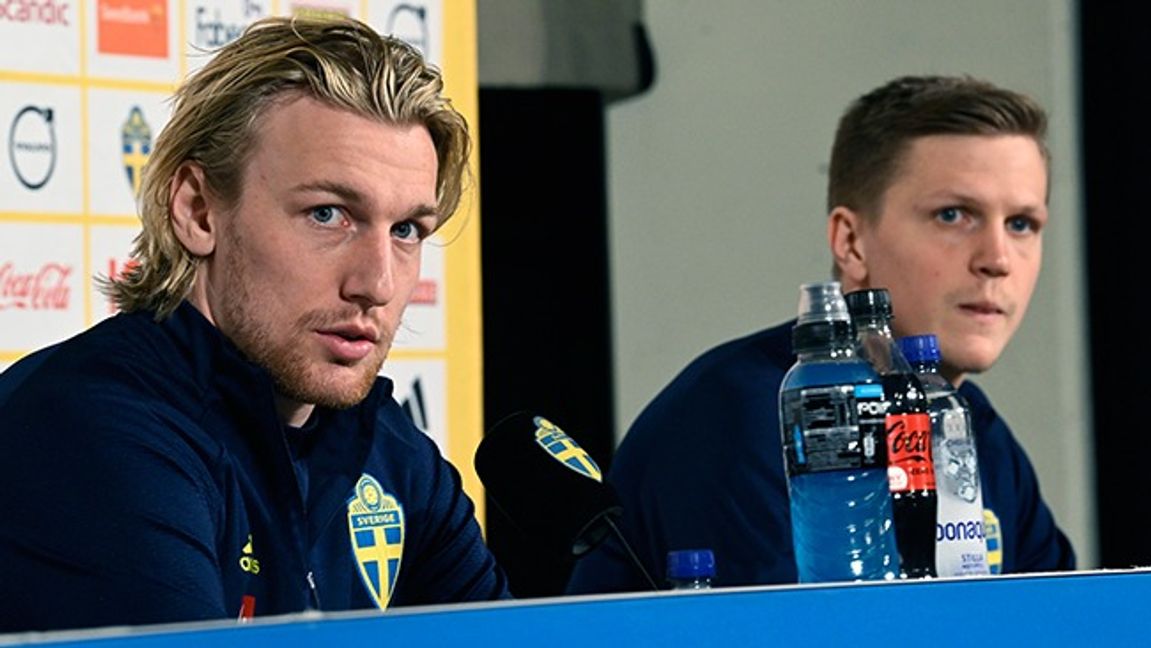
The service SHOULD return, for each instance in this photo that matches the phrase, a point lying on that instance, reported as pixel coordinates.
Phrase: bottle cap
(690, 563)
(920, 348)
(822, 302)
(871, 302)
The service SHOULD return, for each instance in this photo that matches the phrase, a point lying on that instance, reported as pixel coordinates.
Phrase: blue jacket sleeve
(1028, 536)
(138, 530)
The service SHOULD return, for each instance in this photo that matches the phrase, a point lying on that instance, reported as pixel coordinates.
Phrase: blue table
(1089, 608)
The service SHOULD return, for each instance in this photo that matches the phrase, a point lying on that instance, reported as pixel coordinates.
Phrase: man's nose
(992, 256)
(370, 276)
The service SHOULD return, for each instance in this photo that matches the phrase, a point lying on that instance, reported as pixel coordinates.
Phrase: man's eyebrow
(964, 198)
(423, 210)
(342, 190)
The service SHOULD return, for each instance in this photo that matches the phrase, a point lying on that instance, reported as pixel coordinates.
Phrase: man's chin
(973, 358)
(334, 388)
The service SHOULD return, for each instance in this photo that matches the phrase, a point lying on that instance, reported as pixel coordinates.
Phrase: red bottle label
(909, 463)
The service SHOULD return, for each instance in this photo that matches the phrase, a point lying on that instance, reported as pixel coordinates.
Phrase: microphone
(548, 486)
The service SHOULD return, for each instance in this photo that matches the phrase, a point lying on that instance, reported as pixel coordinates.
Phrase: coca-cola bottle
(910, 468)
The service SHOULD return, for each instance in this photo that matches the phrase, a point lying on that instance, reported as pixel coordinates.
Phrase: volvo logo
(32, 146)
(409, 23)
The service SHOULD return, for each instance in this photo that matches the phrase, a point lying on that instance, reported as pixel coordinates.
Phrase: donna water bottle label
(821, 429)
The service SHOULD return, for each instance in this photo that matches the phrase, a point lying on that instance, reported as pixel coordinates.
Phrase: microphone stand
(630, 553)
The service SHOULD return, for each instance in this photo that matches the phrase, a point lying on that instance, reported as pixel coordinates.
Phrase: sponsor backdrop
(83, 94)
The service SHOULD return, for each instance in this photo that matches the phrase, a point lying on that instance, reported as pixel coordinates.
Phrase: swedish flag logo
(136, 140)
(564, 449)
(376, 527)
(994, 537)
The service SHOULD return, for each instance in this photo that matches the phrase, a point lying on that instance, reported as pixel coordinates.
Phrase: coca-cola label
(38, 289)
(909, 463)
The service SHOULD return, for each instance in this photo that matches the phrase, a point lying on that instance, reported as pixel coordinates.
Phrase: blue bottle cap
(690, 563)
(920, 348)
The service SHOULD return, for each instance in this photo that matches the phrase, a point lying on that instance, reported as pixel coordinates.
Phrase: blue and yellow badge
(376, 527)
(136, 140)
(564, 449)
(994, 538)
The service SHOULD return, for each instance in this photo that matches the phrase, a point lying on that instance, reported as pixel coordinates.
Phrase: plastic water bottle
(960, 548)
(690, 569)
(841, 515)
(910, 468)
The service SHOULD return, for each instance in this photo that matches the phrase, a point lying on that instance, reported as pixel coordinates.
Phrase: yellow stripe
(72, 80)
(40, 78)
(181, 30)
(116, 221)
(57, 219)
(86, 186)
(414, 354)
(464, 382)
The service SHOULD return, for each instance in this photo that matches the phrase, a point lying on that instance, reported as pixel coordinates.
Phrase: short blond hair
(343, 63)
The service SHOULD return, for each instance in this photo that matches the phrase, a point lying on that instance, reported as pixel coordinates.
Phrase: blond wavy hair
(343, 63)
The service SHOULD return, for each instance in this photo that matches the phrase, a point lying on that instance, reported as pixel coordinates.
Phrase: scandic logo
(43, 289)
(46, 12)
(133, 27)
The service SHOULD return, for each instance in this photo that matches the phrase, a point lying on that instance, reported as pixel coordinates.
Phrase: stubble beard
(296, 376)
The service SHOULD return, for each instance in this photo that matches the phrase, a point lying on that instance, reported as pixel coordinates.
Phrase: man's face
(958, 243)
(313, 266)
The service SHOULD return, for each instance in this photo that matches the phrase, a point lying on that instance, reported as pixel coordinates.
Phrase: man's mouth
(350, 343)
(985, 308)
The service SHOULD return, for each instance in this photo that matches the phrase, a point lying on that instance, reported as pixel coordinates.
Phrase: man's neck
(293, 413)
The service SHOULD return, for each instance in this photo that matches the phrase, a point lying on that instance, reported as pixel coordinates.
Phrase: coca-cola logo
(43, 289)
(903, 440)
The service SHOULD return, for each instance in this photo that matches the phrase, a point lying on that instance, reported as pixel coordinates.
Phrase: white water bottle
(960, 545)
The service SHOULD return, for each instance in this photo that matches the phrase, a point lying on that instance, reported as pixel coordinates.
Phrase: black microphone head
(545, 483)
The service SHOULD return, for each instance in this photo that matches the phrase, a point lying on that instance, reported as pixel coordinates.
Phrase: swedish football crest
(994, 538)
(136, 142)
(376, 527)
(564, 449)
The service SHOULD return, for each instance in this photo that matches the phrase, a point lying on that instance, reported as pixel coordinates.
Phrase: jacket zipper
(312, 588)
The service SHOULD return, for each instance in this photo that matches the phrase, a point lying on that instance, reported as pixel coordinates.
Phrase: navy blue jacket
(145, 477)
(702, 467)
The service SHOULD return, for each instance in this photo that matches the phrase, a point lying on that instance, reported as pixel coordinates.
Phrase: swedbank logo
(132, 27)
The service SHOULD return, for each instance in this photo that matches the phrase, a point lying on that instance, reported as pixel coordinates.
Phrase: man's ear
(193, 210)
(844, 237)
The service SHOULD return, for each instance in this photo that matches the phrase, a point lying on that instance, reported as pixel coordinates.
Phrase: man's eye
(326, 215)
(407, 230)
(949, 215)
(1022, 224)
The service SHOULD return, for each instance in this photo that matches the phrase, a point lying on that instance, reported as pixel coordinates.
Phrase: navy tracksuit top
(145, 477)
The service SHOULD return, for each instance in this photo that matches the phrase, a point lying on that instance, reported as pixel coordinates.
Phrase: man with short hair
(224, 447)
(938, 193)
